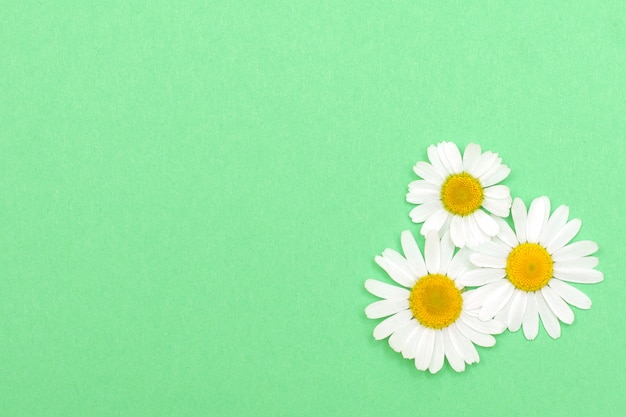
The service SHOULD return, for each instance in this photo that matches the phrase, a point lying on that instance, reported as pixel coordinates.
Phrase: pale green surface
(192, 197)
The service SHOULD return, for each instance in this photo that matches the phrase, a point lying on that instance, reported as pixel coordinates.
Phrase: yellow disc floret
(462, 194)
(435, 301)
(529, 266)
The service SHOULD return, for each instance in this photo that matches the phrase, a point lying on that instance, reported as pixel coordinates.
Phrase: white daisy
(428, 318)
(455, 189)
(523, 274)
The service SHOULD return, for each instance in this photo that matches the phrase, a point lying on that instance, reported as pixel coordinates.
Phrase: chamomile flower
(455, 190)
(523, 274)
(427, 317)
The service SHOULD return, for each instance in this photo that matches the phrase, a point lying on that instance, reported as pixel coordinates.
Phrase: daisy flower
(427, 316)
(524, 273)
(455, 190)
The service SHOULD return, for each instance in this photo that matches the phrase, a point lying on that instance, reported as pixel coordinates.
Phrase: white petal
(555, 223)
(397, 259)
(398, 338)
(433, 156)
(489, 173)
(399, 275)
(441, 172)
(570, 294)
(475, 299)
(436, 362)
(447, 251)
(468, 237)
(501, 173)
(560, 309)
(481, 339)
(487, 261)
(538, 213)
(443, 157)
(432, 253)
(425, 346)
(518, 210)
(580, 275)
(422, 197)
(486, 223)
(575, 250)
(424, 211)
(459, 264)
(497, 192)
(495, 248)
(470, 156)
(462, 345)
(392, 324)
(584, 262)
(479, 237)
(400, 262)
(435, 222)
(424, 186)
(517, 310)
(564, 236)
(484, 163)
(429, 172)
(531, 319)
(454, 157)
(456, 231)
(410, 346)
(496, 301)
(454, 357)
(455, 339)
(502, 316)
(387, 291)
(505, 233)
(446, 224)
(413, 255)
(549, 320)
(487, 327)
(471, 349)
(498, 207)
(384, 308)
(482, 276)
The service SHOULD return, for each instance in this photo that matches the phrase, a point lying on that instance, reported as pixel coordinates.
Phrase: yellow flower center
(529, 266)
(462, 194)
(435, 301)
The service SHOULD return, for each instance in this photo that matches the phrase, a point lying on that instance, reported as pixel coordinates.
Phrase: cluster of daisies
(517, 275)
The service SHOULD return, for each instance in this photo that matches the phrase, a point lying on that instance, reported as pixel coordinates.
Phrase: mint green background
(192, 197)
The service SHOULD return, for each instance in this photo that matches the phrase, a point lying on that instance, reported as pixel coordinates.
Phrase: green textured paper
(192, 195)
